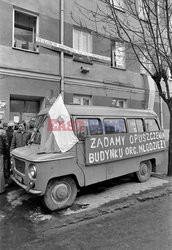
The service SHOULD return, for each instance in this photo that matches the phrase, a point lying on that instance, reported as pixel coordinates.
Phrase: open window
(25, 30)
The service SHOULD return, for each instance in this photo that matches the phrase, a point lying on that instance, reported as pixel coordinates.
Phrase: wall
(37, 74)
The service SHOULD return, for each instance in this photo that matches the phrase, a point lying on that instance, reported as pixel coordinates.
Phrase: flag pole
(62, 52)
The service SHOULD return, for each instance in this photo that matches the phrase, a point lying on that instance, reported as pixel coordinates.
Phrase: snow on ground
(16, 197)
(38, 216)
(114, 193)
(88, 201)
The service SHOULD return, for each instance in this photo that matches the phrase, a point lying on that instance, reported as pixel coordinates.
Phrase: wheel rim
(144, 169)
(61, 193)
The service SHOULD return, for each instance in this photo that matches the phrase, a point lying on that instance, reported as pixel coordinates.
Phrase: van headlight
(32, 171)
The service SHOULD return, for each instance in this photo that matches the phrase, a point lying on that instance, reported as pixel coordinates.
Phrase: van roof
(80, 110)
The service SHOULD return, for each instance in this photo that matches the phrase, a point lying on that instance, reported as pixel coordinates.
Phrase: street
(137, 216)
(147, 226)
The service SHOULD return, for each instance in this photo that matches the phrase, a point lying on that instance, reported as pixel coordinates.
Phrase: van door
(89, 127)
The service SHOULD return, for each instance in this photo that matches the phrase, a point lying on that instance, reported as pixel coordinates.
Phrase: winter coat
(9, 132)
(4, 146)
(20, 139)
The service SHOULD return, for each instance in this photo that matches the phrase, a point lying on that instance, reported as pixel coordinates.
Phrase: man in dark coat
(4, 149)
(7, 164)
(4, 146)
(20, 137)
(9, 132)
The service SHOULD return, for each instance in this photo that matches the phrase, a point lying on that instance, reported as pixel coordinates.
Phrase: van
(111, 142)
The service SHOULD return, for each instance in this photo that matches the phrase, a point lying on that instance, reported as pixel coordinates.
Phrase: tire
(144, 172)
(60, 193)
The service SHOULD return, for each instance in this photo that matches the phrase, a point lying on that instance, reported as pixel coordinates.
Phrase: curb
(112, 207)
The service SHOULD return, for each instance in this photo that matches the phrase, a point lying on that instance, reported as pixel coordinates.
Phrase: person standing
(7, 165)
(4, 147)
(20, 137)
(10, 131)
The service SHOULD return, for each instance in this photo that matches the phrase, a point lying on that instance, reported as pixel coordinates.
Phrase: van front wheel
(144, 172)
(60, 193)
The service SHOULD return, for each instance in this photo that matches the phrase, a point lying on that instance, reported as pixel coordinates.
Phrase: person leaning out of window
(20, 137)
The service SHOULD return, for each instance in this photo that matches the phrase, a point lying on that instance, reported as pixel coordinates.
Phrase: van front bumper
(32, 191)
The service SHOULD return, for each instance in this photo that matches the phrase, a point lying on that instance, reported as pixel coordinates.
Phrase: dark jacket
(20, 139)
(4, 146)
(9, 132)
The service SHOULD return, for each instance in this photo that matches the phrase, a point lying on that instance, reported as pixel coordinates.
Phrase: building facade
(32, 75)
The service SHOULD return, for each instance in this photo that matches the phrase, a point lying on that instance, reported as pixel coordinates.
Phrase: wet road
(25, 224)
(146, 226)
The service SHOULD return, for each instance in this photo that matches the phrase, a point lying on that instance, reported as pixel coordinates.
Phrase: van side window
(135, 125)
(95, 126)
(140, 125)
(114, 126)
(151, 125)
(88, 127)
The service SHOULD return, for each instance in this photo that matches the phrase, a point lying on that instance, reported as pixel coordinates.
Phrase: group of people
(13, 136)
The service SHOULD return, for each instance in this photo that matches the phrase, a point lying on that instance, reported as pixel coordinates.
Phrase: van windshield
(39, 121)
(36, 136)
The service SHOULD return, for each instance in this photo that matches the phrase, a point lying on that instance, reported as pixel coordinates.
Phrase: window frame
(117, 103)
(86, 119)
(136, 126)
(89, 44)
(115, 119)
(155, 122)
(30, 13)
(82, 97)
(115, 57)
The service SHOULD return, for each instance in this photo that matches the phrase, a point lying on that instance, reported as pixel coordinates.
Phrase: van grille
(20, 166)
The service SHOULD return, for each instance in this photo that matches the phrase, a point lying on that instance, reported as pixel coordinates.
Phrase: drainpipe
(62, 42)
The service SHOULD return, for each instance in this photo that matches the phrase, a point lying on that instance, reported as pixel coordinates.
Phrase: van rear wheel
(60, 193)
(144, 172)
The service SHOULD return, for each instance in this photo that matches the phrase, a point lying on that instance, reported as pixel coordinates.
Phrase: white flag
(62, 129)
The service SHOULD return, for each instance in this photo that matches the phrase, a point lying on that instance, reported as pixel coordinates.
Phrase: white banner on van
(65, 138)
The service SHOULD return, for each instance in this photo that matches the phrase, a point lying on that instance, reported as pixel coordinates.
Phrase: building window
(118, 4)
(25, 30)
(82, 100)
(82, 41)
(119, 103)
(118, 55)
(23, 109)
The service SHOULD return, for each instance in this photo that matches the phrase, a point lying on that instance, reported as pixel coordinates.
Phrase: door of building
(23, 110)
